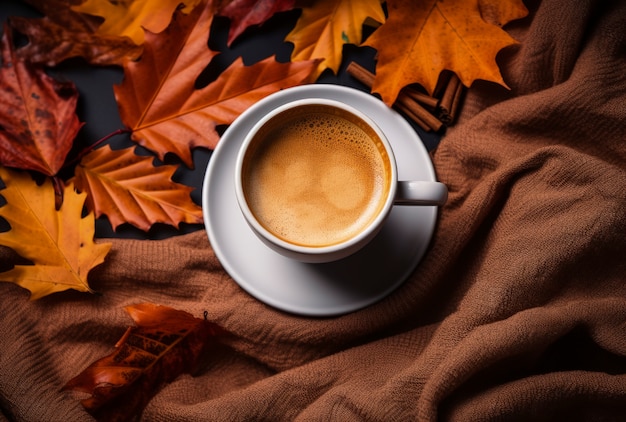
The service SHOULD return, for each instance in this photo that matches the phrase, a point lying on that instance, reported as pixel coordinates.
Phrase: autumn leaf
(326, 25)
(130, 18)
(164, 344)
(159, 102)
(422, 38)
(236, 89)
(129, 188)
(39, 120)
(50, 43)
(63, 33)
(58, 243)
(246, 13)
(60, 12)
(156, 87)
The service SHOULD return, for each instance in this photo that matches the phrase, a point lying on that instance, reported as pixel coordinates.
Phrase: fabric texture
(517, 311)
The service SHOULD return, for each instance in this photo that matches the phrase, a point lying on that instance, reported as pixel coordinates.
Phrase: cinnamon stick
(424, 99)
(416, 119)
(450, 98)
(442, 82)
(361, 74)
(456, 102)
(406, 103)
(418, 111)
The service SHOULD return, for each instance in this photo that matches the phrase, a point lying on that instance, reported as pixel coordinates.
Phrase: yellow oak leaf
(326, 25)
(59, 243)
(127, 188)
(422, 38)
(130, 17)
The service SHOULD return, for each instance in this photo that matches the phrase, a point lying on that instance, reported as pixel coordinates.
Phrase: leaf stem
(58, 191)
(93, 146)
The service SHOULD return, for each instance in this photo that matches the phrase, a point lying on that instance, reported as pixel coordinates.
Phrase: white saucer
(319, 289)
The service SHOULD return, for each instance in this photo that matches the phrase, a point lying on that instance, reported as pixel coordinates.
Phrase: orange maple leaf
(128, 188)
(326, 25)
(422, 38)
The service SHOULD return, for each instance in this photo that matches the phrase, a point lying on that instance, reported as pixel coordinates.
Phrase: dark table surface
(98, 109)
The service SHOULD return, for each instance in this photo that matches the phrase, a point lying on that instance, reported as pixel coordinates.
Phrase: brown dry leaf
(60, 11)
(59, 243)
(422, 38)
(63, 33)
(164, 344)
(39, 115)
(50, 43)
(129, 188)
(246, 13)
(131, 18)
(326, 25)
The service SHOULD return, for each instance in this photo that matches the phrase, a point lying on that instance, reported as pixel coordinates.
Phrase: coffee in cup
(316, 176)
(316, 179)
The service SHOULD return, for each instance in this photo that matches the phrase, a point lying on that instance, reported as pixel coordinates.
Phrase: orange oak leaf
(246, 13)
(220, 102)
(59, 243)
(157, 86)
(129, 188)
(167, 114)
(164, 344)
(131, 18)
(52, 42)
(39, 120)
(326, 25)
(422, 38)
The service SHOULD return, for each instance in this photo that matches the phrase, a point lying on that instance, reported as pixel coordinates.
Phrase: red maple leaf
(39, 120)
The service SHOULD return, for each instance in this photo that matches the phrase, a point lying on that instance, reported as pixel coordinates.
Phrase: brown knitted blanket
(517, 311)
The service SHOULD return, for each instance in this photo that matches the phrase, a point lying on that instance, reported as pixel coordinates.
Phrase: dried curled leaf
(164, 344)
(129, 188)
(59, 243)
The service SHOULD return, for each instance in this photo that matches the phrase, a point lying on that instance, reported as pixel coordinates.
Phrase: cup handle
(420, 193)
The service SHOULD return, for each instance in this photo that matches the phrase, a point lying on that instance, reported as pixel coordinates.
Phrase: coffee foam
(316, 178)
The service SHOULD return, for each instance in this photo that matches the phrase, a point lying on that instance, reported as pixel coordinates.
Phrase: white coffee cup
(316, 179)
